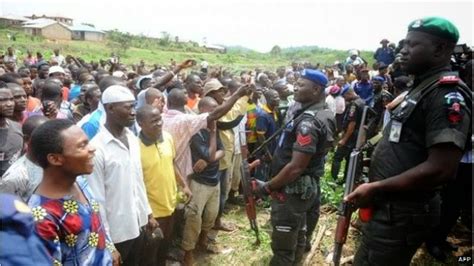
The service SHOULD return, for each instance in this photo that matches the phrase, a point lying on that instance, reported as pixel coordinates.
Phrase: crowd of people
(134, 165)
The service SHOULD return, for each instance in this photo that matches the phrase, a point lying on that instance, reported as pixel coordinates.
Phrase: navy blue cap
(379, 78)
(345, 89)
(315, 76)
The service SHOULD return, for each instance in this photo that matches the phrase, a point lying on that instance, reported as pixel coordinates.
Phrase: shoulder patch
(303, 140)
(454, 102)
(452, 79)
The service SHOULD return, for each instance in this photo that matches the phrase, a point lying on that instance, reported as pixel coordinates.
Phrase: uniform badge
(395, 131)
(454, 114)
(303, 137)
(454, 101)
(417, 23)
(352, 111)
(303, 140)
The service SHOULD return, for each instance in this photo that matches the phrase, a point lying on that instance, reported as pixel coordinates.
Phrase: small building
(216, 48)
(58, 18)
(86, 32)
(12, 21)
(48, 28)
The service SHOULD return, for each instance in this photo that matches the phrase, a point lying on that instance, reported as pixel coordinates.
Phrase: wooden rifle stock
(353, 172)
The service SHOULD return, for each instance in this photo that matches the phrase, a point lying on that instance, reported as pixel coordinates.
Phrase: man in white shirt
(58, 58)
(24, 175)
(117, 179)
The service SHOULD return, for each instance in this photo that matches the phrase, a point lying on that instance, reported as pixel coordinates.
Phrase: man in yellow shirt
(160, 174)
(214, 89)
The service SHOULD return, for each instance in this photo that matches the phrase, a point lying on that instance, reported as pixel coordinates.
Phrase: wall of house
(94, 36)
(76, 35)
(10, 22)
(56, 32)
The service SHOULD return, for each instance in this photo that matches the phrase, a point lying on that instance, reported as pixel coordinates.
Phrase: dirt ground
(237, 247)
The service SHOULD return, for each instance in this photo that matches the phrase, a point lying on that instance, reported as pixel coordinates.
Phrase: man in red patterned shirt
(66, 216)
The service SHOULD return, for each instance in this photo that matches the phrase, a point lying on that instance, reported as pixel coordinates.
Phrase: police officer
(351, 122)
(420, 149)
(19, 244)
(456, 196)
(293, 187)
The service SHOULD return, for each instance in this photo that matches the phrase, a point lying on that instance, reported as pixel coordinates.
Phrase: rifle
(353, 175)
(249, 198)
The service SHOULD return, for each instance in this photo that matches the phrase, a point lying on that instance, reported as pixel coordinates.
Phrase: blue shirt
(91, 127)
(385, 55)
(19, 244)
(267, 124)
(365, 90)
(74, 92)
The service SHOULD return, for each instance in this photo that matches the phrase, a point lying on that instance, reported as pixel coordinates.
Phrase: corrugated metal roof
(84, 27)
(39, 23)
(14, 17)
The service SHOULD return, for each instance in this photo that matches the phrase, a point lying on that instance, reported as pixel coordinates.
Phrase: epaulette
(449, 79)
(310, 112)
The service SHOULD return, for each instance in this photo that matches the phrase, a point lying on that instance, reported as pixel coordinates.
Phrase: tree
(276, 50)
(119, 41)
(165, 39)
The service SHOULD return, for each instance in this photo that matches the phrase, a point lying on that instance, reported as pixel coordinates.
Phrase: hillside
(133, 48)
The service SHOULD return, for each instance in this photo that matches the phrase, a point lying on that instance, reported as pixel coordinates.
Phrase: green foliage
(118, 41)
(331, 192)
(133, 48)
(276, 50)
(165, 39)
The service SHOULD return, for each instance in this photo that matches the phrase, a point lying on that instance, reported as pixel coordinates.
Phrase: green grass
(152, 52)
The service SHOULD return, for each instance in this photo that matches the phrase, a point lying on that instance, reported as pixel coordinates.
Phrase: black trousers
(288, 220)
(396, 230)
(130, 250)
(312, 216)
(457, 195)
(342, 152)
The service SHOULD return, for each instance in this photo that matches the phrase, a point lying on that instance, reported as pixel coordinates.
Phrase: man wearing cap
(117, 179)
(58, 72)
(214, 89)
(350, 127)
(294, 181)
(384, 54)
(420, 149)
(363, 87)
(354, 59)
(383, 72)
(378, 82)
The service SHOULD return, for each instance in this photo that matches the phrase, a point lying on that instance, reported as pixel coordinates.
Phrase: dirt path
(237, 247)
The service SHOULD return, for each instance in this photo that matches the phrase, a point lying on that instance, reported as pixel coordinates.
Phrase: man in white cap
(57, 72)
(117, 179)
(354, 59)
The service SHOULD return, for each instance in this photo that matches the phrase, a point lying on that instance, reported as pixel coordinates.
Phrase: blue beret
(345, 89)
(315, 76)
(379, 78)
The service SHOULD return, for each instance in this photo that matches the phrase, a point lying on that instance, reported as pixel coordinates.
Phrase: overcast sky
(257, 24)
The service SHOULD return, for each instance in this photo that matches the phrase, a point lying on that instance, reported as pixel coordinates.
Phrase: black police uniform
(312, 216)
(433, 112)
(352, 113)
(288, 216)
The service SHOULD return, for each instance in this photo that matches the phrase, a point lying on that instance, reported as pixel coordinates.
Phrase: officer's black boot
(436, 251)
